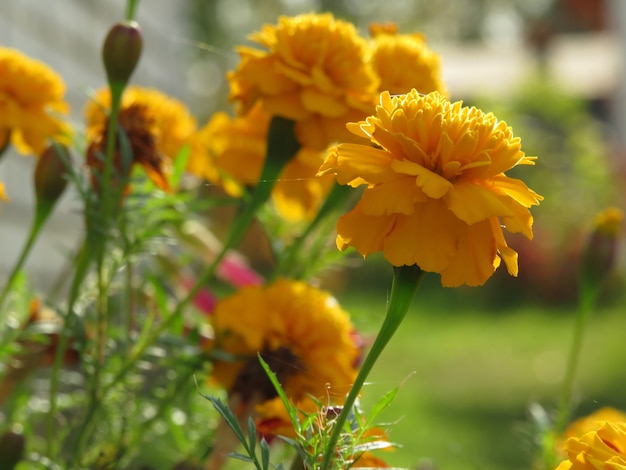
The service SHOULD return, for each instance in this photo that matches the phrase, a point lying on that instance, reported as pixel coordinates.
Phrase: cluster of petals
(312, 69)
(600, 449)
(404, 61)
(285, 317)
(436, 193)
(31, 103)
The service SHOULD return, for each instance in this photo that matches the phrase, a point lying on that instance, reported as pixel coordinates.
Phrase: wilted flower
(404, 61)
(313, 70)
(436, 193)
(601, 449)
(232, 151)
(31, 103)
(156, 125)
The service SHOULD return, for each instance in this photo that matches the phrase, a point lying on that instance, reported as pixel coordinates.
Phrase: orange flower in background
(404, 61)
(157, 126)
(314, 70)
(300, 331)
(601, 449)
(31, 103)
(594, 421)
(232, 151)
(436, 192)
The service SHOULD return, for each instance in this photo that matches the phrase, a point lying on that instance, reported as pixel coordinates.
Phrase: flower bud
(599, 254)
(50, 174)
(121, 51)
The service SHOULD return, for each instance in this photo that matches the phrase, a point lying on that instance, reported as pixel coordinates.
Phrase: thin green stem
(406, 281)
(586, 302)
(131, 7)
(35, 230)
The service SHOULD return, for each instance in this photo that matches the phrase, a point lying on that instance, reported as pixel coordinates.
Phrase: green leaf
(380, 406)
(240, 456)
(228, 416)
(265, 454)
(180, 165)
(251, 435)
(291, 409)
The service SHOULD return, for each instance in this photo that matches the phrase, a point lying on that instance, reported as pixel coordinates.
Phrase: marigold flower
(232, 151)
(300, 331)
(157, 127)
(594, 421)
(437, 195)
(31, 103)
(601, 449)
(404, 61)
(314, 70)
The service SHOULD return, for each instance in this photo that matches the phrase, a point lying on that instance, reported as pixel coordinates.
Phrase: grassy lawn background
(467, 376)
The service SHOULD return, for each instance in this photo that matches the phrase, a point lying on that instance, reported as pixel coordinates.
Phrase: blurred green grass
(468, 375)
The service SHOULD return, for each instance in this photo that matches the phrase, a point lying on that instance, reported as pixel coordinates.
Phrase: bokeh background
(474, 366)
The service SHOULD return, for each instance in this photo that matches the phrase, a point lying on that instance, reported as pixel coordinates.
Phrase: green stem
(281, 147)
(131, 7)
(35, 230)
(586, 302)
(83, 261)
(338, 195)
(406, 281)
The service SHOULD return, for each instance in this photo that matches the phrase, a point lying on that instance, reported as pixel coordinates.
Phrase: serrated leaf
(291, 409)
(228, 416)
(380, 406)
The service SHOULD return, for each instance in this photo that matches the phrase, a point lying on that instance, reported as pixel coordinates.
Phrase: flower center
(253, 381)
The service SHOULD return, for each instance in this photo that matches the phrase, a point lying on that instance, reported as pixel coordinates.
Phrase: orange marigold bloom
(300, 331)
(31, 103)
(157, 127)
(314, 70)
(404, 62)
(232, 151)
(437, 195)
(601, 449)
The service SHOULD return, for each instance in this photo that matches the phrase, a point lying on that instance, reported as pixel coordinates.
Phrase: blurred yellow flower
(3, 194)
(157, 126)
(404, 62)
(314, 70)
(231, 151)
(300, 331)
(31, 103)
(601, 449)
(437, 195)
(593, 421)
(609, 221)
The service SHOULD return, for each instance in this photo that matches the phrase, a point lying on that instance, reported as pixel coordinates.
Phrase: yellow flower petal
(457, 156)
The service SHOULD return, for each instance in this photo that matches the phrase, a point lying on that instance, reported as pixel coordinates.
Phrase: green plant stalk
(338, 195)
(282, 146)
(586, 300)
(38, 222)
(406, 281)
(83, 260)
(131, 8)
